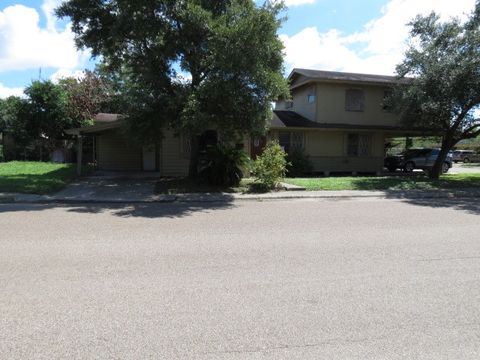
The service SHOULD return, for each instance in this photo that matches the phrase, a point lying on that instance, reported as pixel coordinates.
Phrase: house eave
(353, 127)
(334, 77)
(97, 128)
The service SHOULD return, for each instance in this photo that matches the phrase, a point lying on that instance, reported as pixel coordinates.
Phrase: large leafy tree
(13, 111)
(46, 114)
(87, 96)
(443, 93)
(9, 109)
(188, 64)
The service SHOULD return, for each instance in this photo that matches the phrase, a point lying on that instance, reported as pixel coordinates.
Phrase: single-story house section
(115, 151)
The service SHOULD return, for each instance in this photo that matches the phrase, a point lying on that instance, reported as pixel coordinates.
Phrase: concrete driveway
(470, 168)
(305, 279)
(109, 188)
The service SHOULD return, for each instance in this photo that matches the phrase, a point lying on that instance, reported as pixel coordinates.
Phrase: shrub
(298, 163)
(224, 165)
(270, 167)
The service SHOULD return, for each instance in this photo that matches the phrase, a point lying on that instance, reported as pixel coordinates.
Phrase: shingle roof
(286, 118)
(346, 77)
(106, 117)
(291, 119)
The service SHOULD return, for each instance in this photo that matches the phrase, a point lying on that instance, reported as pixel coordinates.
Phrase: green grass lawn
(35, 177)
(388, 182)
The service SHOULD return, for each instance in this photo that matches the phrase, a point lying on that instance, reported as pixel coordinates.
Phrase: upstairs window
(387, 99)
(354, 100)
(359, 145)
(310, 98)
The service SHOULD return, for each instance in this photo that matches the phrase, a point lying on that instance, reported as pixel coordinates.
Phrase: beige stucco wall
(330, 107)
(328, 151)
(174, 159)
(301, 104)
(115, 152)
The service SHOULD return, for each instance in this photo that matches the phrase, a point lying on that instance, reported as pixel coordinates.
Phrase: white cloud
(48, 8)
(64, 73)
(298, 2)
(376, 49)
(6, 91)
(25, 45)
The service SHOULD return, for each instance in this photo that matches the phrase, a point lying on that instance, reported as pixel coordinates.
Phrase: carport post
(79, 154)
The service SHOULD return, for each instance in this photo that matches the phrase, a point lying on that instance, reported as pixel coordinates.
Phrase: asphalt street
(298, 279)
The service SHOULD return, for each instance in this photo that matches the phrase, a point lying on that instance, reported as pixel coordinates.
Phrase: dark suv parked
(416, 159)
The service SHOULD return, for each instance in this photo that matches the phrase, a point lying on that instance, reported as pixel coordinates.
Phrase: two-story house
(338, 119)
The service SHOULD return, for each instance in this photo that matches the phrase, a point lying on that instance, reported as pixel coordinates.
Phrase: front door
(149, 158)
(258, 144)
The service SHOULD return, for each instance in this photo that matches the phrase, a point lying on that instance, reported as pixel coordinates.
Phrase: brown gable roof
(336, 76)
(106, 117)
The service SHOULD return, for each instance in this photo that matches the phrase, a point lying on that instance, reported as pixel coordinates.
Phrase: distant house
(338, 119)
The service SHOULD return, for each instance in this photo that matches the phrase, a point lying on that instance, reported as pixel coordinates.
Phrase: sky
(366, 36)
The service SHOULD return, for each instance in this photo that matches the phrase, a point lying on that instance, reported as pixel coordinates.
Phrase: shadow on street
(145, 210)
(465, 204)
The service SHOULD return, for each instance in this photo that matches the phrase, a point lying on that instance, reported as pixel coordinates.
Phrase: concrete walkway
(99, 189)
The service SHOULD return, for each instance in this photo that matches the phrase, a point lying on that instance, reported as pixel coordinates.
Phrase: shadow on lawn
(126, 210)
(417, 182)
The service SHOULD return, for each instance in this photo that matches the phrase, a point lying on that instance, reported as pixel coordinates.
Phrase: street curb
(202, 198)
(88, 201)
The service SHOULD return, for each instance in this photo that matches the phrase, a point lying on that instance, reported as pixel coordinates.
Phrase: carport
(113, 151)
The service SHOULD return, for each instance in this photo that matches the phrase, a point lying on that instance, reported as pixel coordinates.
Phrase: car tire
(445, 168)
(408, 167)
(466, 160)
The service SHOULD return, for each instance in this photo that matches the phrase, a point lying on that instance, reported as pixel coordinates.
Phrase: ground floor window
(291, 140)
(359, 144)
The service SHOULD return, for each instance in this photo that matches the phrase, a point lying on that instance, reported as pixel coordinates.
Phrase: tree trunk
(193, 166)
(447, 144)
